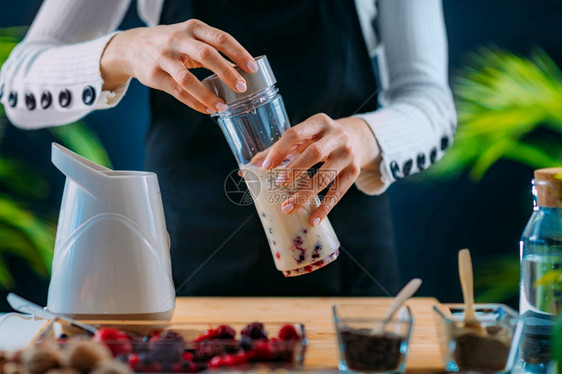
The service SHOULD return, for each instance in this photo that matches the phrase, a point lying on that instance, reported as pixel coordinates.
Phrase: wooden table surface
(316, 314)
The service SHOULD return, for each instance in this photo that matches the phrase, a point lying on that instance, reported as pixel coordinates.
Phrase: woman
(72, 62)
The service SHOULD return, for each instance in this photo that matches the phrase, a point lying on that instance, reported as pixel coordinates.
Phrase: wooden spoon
(467, 281)
(405, 293)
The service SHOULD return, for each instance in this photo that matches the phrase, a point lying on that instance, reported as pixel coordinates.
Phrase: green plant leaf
(496, 278)
(15, 243)
(532, 156)
(40, 233)
(80, 139)
(9, 38)
(550, 278)
(21, 179)
(502, 99)
(6, 279)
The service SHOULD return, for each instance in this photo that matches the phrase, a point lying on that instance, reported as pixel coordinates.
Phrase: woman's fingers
(341, 185)
(294, 138)
(167, 84)
(225, 43)
(211, 59)
(307, 187)
(259, 157)
(184, 78)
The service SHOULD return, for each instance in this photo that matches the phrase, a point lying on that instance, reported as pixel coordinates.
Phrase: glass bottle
(253, 121)
(541, 270)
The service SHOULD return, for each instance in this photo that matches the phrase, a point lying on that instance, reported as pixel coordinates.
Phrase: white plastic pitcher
(111, 258)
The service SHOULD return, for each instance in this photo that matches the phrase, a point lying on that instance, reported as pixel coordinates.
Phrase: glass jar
(541, 270)
(253, 122)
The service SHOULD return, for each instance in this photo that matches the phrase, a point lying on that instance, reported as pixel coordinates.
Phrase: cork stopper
(548, 183)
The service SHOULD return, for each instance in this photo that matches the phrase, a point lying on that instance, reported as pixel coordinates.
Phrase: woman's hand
(159, 57)
(346, 146)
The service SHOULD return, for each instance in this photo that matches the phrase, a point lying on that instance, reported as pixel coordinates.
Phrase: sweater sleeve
(416, 119)
(53, 76)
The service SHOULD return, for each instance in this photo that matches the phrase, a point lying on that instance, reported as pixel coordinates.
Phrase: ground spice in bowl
(475, 351)
(365, 351)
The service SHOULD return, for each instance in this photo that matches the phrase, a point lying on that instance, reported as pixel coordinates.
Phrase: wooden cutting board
(316, 314)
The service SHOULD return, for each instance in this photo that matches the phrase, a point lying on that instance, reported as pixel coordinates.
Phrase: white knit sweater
(53, 76)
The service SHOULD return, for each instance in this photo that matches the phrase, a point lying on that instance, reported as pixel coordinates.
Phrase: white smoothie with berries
(297, 246)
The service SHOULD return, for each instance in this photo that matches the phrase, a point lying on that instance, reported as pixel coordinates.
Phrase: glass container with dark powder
(365, 351)
(476, 351)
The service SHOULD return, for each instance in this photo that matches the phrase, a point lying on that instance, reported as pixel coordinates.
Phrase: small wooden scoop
(467, 281)
(405, 293)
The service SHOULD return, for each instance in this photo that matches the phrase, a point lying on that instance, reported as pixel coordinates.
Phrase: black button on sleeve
(89, 95)
(433, 155)
(444, 143)
(420, 161)
(407, 168)
(30, 102)
(395, 170)
(13, 99)
(46, 99)
(65, 98)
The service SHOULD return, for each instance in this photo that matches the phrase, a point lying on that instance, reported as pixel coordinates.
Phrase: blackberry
(254, 330)
(225, 332)
(168, 349)
(207, 349)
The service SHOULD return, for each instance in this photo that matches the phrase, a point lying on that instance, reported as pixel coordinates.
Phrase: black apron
(317, 52)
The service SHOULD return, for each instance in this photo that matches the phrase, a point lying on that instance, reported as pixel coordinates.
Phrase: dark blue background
(432, 221)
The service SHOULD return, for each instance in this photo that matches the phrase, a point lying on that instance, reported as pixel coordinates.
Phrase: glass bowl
(363, 346)
(465, 349)
(194, 347)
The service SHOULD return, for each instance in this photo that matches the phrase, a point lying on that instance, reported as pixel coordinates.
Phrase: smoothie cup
(253, 122)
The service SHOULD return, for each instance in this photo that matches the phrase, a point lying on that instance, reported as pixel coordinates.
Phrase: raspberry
(207, 335)
(194, 368)
(263, 352)
(228, 360)
(133, 361)
(187, 356)
(215, 362)
(288, 332)
(241, 357)
(225, 332)
(297, 241)
(116, 340)
(254, 330)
